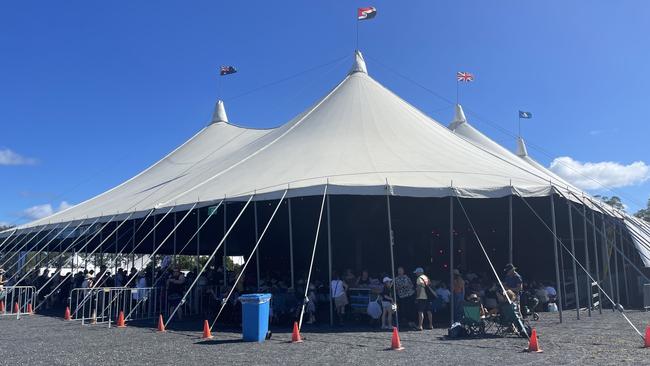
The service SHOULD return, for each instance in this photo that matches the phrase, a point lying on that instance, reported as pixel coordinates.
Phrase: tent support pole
(617, 282)
(223, 258)
(573, 253)
(510, 238)
(606, 256)
(593, 226)
(291, 244)
(198, 239)
(257, 251)
(174, 238)
(559, 286)
(589, 292)
(625, 286)
(153, 254)
(329, 257)
(391, 243)
(451, 259)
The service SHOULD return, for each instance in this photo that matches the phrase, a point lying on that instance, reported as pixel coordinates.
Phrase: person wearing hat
(387, 304)
(512, 280)
(423, 297)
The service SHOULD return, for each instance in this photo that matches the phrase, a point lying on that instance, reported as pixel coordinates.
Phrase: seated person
(474, 300)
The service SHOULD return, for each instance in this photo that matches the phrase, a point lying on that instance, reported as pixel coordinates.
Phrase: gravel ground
(41, 340)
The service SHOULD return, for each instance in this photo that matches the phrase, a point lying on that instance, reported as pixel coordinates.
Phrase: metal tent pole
(589, 292)
(174, 238)
(510, 231)
(606, 256)
(291, 244)
(617, 282)
(329, 257)
(451, 258)
(593, 226)
(198, 238)
(559, 287)
(391, 243)
(257, 251)
(573, 263)
(625, 285)
(225, 244)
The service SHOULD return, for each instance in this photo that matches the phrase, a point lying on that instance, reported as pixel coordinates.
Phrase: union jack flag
(464, 76)
(227, 70)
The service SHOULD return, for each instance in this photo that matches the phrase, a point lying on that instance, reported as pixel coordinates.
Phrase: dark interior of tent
(354, 234)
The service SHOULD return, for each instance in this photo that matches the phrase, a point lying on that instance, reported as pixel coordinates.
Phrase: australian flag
(227, 70)
(526, 115)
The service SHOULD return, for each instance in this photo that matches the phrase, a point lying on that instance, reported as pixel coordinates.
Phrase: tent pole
(223, 258)
(573, 252)
(617, 282)
(510, 238)
(606, 257)
(198, 238)
(153, 254)
(174, 239)
(584, 224)
(291, 244)
(451, 259)
(329, 257)
(625, 286)
(391, 243)
(133, 245)
(593, 226)
(257, 251)
(117, 239)
(559, 287)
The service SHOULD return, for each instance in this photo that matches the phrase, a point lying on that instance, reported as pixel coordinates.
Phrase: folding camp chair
(472, 320)
(508, 321)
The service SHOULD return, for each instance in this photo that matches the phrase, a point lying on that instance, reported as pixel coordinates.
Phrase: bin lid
(258, 298)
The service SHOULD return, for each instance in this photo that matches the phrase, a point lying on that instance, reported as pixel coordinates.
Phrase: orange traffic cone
(120, 320)
(16, 308)
(161, 324)
(533, 345)
(66, 315)
(2, 306)
(647, 337)
(395, 343)
(206, 330)
(29, 308)
(295, 336)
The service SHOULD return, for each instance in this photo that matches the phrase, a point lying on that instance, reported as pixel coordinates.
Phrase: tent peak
(219, 114)
(521, 147)
(459, 118)
(359, 64)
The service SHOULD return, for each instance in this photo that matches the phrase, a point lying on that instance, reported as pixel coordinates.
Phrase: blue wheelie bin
(255, 316)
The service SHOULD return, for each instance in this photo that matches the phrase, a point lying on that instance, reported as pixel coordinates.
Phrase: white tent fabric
(463, 128)
(358, 138)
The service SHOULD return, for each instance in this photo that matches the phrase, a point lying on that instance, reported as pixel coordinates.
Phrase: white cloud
(9, 157)
(44, 210)
(588, 175)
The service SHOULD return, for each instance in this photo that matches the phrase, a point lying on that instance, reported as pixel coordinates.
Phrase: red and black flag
(227, 70)
(366, 13)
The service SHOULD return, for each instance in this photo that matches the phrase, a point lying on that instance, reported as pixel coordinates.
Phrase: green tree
(613, 201)
(644, 213)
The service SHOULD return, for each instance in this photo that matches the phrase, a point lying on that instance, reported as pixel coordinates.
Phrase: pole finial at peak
(219, 114)
(359, 64)
(459, 118)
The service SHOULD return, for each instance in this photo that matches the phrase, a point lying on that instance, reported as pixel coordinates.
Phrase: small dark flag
(366, 13)
(227, 70)
(526, 115)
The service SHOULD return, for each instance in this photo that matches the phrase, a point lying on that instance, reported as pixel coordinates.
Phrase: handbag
(374, 309)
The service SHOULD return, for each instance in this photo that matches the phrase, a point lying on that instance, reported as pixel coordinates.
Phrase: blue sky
(93, 92)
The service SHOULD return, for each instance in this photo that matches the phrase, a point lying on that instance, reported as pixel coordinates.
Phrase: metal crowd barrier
(17, 300)
(102, 305)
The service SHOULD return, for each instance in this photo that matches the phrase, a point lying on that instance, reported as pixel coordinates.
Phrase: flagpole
(357, 47)
(519, 122)
(457, 87)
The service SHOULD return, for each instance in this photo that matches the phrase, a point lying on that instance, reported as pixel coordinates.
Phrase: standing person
(338, 292)
(459, 294)
(423, 297)
(405, 296)
(512, 280)
(176, 289)
(2, 284)
(387, 302)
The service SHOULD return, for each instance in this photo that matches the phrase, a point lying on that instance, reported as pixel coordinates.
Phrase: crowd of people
(412, 296)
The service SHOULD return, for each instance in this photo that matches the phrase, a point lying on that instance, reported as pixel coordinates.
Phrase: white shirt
(336, 288)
